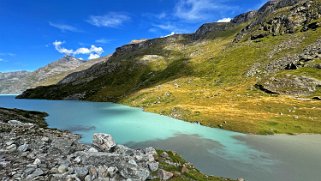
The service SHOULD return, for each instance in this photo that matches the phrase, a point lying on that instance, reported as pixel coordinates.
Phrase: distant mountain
(259, 73)
(17, 82)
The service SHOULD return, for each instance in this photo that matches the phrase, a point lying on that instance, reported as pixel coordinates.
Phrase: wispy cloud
(198, 10)
(224, 20)
(110, 20)
(64, 27)
(93, 51)
(102, 41)
(7, 54)
(1, 60)
(169, 27)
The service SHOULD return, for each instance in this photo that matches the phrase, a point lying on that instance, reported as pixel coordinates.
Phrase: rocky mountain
(259, 73)
(17, 82)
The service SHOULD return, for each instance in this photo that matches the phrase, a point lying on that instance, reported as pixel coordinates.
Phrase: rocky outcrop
(245, 17)
(290, 62)
(290, 85)
(299, 16)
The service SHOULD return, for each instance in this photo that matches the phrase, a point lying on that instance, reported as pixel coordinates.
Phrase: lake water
(213, 151)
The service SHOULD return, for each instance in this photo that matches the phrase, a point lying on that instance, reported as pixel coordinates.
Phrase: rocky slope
(17, 82)
(260, 73)
(28, 152)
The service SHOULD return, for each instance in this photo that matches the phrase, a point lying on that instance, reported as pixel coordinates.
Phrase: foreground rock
(29, 152)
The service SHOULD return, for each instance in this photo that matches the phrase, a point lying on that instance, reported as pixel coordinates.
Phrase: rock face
(300, 16)
(290, 85)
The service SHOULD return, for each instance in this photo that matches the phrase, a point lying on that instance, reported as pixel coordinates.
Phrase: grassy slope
(218, 94)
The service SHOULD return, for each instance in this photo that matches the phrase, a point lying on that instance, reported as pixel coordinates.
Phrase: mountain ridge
(221, 75)
(17, 82)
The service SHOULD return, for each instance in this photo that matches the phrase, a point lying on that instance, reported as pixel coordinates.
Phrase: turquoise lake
(213, 151)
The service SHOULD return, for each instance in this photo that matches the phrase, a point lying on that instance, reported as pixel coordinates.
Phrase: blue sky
(34, 33)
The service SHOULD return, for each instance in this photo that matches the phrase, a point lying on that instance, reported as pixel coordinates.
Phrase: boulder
(103, 141)
(23, 148)
(165, 175)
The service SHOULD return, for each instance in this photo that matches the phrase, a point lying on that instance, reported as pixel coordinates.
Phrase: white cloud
(102, 41)
(168, 27)
(93, 56)
(198, 10)
(111, 20)
(224, 20)
(93, 51)
(63, 27)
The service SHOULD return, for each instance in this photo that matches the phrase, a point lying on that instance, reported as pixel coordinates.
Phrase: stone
(164, 155)
(28, 171)
(62, 169)
(94, 150)
(37, 161)
(15, 122)
(77, 159)
(102, 171)
(23, 148)
(93, 172)
(8, 143)
(153, 166)
(103, 141)
(88, 178)
(45, 139)
(184, 169)
(150, 150)
(112, 171)
(165, 175)
(36, 173)
(240, 179)
(11, 148)
(81, 172)
(134, 173)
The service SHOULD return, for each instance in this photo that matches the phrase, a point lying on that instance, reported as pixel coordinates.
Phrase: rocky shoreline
(30, 152)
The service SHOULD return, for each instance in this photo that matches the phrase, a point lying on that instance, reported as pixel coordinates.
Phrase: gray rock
(15, 122)
(94, 150)
(62, 169)
(45, 139)
(37, 161)
(28, 171)
(36, 173)
(164, 155)
(11, 148)
(153, 166)
(164, 175)
(112, 171)
(135, 173)
(102, 171)
(23, 148)
(150, 150)
(81, 172)
(103, 141)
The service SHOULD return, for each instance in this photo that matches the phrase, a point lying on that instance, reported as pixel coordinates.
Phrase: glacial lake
(213, 151)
